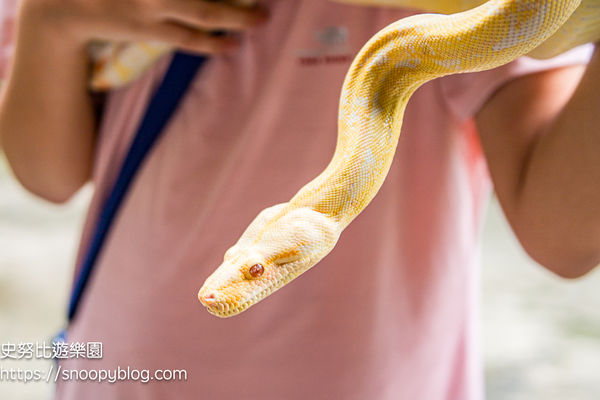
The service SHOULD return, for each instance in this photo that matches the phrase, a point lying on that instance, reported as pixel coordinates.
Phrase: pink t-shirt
(391, 313)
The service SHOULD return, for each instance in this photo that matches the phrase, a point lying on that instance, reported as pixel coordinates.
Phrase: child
(391, 312)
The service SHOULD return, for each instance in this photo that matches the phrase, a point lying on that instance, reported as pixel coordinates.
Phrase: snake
(287, 239)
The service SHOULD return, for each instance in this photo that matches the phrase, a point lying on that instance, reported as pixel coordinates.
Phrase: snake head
(279, 245)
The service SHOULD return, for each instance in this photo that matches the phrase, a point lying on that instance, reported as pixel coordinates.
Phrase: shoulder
(466, 94)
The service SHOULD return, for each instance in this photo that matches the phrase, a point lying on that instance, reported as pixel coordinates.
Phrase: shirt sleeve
(467, 93)
(8, 16)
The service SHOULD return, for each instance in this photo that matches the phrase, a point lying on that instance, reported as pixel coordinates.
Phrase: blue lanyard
(180, 74)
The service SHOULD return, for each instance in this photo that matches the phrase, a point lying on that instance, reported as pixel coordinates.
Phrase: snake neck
(392, 65)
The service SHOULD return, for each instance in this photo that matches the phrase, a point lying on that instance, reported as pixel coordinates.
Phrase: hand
(184, 24)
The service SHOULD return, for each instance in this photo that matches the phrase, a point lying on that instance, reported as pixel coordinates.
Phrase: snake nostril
(208, 299)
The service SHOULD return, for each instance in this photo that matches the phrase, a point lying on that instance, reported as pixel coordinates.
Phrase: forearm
(558, 201)
(46, 113)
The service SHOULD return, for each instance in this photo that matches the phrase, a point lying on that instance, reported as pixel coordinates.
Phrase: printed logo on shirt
(330, 47)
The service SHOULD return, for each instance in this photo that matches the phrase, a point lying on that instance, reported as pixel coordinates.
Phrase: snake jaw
(231, 289)
(226, 288)
(230, 298)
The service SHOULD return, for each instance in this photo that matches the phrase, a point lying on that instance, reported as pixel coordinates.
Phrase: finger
(215, 16)
(189, 39)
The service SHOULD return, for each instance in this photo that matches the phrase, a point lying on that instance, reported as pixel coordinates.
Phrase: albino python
(287, 239)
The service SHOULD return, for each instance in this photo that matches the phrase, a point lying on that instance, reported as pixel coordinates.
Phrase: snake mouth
(292, 271)
(223, 309)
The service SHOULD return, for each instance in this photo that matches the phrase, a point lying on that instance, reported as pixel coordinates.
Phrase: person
(391, 312)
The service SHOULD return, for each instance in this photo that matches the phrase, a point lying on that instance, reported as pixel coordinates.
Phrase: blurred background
(541, 334)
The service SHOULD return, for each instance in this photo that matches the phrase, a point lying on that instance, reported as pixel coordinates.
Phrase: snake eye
(256, 270)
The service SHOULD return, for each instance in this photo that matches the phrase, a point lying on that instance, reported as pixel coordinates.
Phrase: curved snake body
(286, 240)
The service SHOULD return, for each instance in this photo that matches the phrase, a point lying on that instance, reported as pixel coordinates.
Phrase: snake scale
(287, 239)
